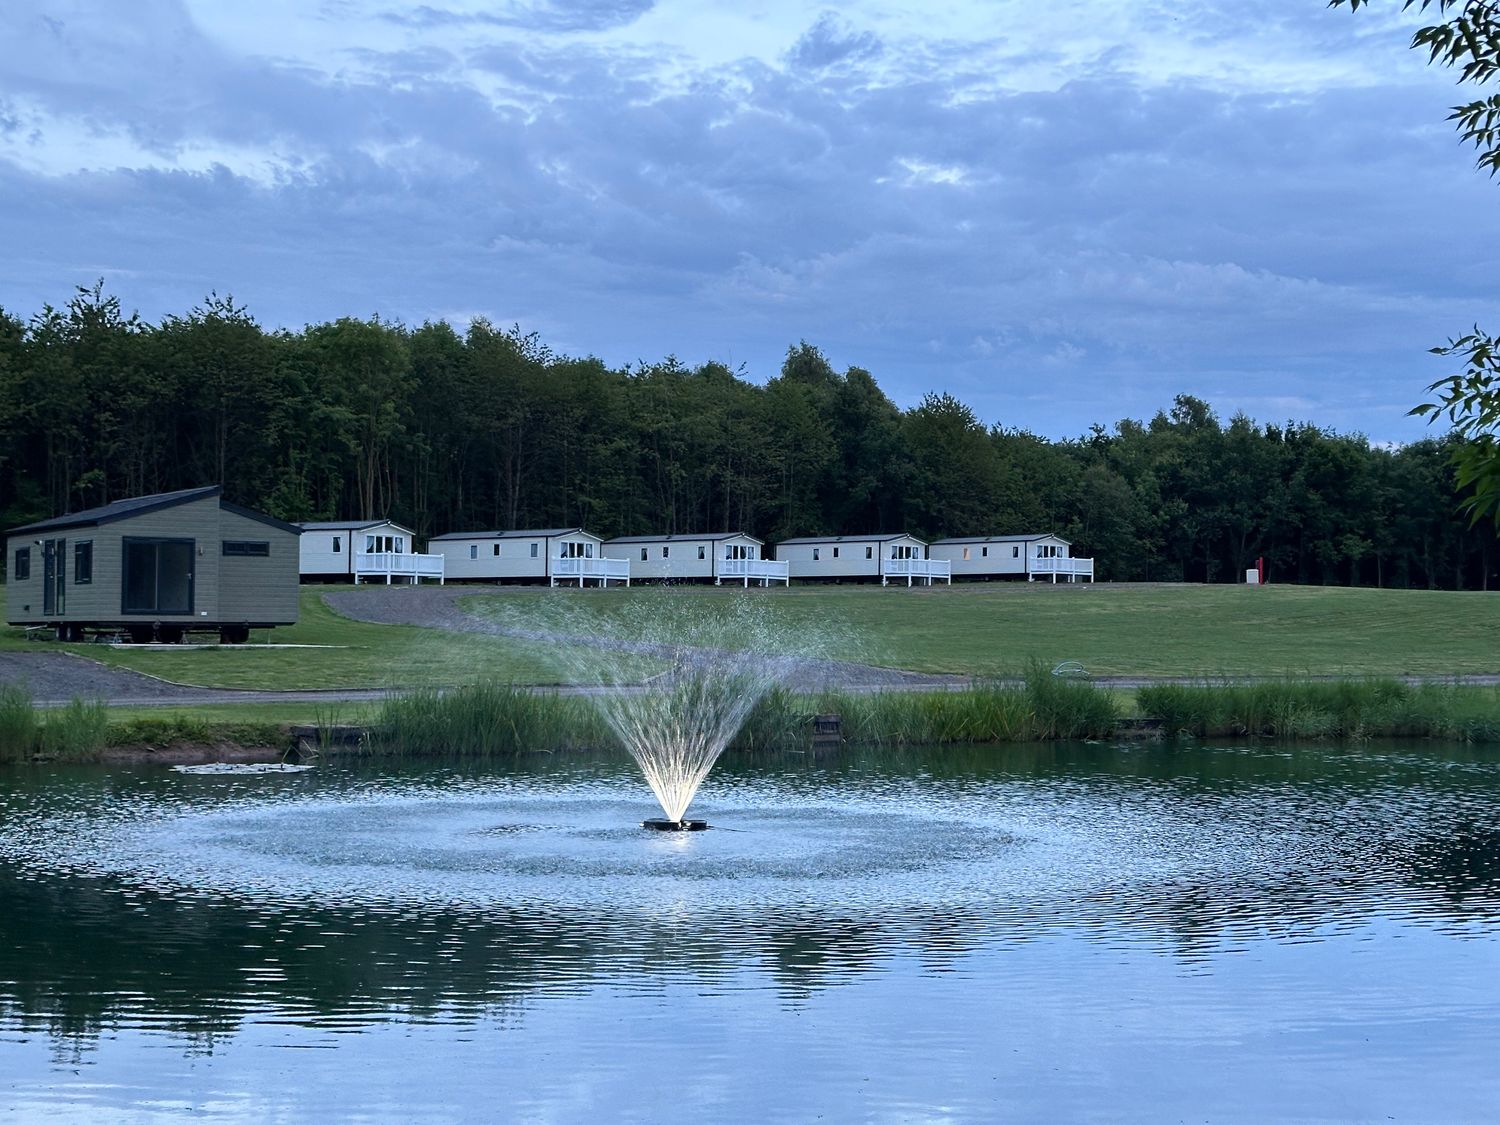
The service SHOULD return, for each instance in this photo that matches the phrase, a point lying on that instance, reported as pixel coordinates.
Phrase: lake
(1071, 932)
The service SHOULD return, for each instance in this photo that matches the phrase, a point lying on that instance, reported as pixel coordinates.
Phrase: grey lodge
(155, 568)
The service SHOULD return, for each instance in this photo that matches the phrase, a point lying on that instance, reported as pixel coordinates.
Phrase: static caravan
(681, 558)
(551, 555)
(362, 550)
(155, 568)
(1012, 556)
(840, 557)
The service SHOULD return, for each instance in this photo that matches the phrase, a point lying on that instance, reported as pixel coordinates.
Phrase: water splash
(722, 656)
(676, 730)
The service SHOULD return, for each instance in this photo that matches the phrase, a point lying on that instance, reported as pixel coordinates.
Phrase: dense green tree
(491, 429)
(1468, 40)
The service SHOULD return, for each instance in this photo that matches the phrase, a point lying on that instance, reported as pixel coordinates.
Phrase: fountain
(721, 663)
(675, 729)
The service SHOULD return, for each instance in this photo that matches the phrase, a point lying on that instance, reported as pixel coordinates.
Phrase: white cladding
(668, 557)
(329, 548)
(997, 555)
(847, 556)
(496, 555)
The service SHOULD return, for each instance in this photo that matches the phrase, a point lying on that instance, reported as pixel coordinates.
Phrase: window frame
(243, 549)
(157, 542)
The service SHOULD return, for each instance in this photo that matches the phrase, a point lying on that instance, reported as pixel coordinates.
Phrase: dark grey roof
(140, 505)
(539, 533)
(350, 525)
(711, 536)
(120, 509)
(1002, 539)
(848, 538)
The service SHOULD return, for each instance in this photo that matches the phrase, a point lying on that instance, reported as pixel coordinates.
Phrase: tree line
(445, 431)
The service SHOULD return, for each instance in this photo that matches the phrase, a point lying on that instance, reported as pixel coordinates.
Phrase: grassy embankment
(983, 630)
(997, 629)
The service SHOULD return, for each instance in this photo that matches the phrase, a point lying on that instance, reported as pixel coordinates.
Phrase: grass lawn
(252, 714)
(997, 628)
(982, 629)
(369, 656)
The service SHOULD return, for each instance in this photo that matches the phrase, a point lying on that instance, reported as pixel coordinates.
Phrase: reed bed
(486, 718)
(78, 731)
(1347, 709)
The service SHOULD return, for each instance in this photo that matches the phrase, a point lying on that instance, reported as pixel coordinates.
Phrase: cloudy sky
(1062, 213)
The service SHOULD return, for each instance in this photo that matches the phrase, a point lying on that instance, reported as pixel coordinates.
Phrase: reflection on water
(1077, 930)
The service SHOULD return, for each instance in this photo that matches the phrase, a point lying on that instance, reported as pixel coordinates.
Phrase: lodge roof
(710, 536)
(140, 505)
(351, 525)
(1002, 539)
(849, 539)
(538, 533)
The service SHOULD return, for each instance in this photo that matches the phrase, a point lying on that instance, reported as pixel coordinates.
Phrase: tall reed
(18, 728)
(1291, 709)
(487, 718)
(79, 731)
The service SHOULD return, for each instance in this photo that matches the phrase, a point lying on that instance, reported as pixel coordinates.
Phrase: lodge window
(338, 544)
(984, 552)
(835, 552)
(643, 554)
(664, 551)
(157, 576)
(497, 550)
(533, 550)
(369, 544)
(966, 554)
(702, 553)
(473, 550)
(22, 569)
(83, 562)
(1015, 552)
(815, 554)
(240, 548)
(869, 552)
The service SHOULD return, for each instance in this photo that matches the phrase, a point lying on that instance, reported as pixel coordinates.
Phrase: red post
(1260, 571)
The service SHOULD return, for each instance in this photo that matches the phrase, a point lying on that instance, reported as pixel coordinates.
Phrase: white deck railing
(920, 570)
(389, 565)
(600, 570)
(764, 571)
(1070, 569)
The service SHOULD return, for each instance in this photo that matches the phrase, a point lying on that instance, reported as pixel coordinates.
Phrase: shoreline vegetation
(496, 719)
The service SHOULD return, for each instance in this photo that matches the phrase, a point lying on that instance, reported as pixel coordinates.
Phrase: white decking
(919, 570)
(1071, 570)
(600, 570)
(764, 571)
(369, 565)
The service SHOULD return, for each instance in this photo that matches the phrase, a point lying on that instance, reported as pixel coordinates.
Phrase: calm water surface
(1064, 933)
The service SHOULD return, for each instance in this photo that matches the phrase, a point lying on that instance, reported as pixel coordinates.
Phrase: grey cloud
(1110, 245)
(831, 41)
(537, 15)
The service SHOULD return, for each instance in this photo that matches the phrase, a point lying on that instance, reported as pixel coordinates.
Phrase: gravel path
(59, 677)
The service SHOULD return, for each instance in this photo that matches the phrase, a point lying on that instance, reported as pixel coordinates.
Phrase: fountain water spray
(722, 660)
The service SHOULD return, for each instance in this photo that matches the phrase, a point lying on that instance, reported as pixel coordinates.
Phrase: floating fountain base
(662, 824)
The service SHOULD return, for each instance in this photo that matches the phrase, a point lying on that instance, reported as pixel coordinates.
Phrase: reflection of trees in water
(1463, 863)
(1375, 832)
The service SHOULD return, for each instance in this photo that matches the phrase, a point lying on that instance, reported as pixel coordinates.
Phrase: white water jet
(722, 654)
(676, 730)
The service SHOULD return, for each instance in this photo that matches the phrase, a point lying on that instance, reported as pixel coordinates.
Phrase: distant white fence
(1070, 569)
(764, 571)
(602, 571)
(918, 570)
(369, 565)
